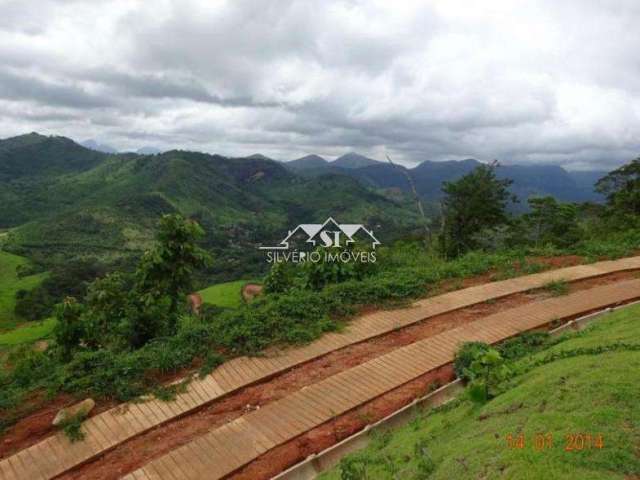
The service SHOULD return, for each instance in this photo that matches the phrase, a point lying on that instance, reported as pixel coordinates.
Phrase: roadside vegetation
(565, 407)
(124, 333)
(557, 288)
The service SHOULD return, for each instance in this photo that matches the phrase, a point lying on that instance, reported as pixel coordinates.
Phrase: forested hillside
(63, 201)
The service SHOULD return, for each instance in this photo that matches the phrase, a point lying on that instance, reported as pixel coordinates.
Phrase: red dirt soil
(330, 433)
(138, 451)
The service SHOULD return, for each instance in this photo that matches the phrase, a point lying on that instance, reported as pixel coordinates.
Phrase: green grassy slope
(588, 394)
(10, 284)
(28, 333)
(226, 294)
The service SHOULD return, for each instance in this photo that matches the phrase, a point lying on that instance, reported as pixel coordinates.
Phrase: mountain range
(428, 176)
(105, 148)
(61, 200)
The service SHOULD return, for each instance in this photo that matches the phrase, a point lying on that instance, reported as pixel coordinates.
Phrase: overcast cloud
(523, 82)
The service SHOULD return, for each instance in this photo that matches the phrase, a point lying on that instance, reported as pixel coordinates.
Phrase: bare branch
(416, 198)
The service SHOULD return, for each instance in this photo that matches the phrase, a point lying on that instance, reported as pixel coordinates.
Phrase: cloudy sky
(523, 82)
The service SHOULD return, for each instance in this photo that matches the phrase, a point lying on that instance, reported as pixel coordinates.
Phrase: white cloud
(520, 81)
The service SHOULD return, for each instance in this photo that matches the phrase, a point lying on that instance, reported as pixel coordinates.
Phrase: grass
(583, 394)
(557, 288)
(228, 294)
(10, 283)
(28, 333)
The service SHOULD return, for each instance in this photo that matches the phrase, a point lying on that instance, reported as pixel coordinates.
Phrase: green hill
(591, 394)
(63, 201)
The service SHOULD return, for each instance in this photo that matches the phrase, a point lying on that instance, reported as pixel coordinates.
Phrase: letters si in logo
(327, 234)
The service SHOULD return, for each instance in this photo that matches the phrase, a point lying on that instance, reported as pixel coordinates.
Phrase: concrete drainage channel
(315, 464)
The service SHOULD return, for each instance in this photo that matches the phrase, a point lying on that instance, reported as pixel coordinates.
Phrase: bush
(610, 245)
(103, 374)
(317, 275)
(557, 288)
(280, 278)
(68, 279)
(70, 329)
(523, 344)
(211, 361)
(465, 356)
(72, 428)
(486, 372)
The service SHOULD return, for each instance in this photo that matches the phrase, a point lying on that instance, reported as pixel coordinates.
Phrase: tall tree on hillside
(124, 310)
(472, 203)
(167, 270)
(552, 222)
(622, 189)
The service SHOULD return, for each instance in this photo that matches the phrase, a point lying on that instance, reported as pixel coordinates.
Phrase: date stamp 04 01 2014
(573, 442)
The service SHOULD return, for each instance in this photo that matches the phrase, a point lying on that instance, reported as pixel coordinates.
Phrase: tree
(69, 279)
(487, 371)
(280, 278)
(474, 202)
(109, 303)
(622, 190)
(167, 270)
(552, 222)
(124, 310)
(70, 329)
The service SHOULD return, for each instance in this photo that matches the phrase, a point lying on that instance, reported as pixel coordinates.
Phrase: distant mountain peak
(311, 157)
(93, 144)
(307, 162)
(148, 150)
(259, 156)
(27, 138)
(354, 160)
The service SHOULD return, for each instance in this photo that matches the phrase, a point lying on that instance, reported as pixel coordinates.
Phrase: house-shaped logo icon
(327, 234)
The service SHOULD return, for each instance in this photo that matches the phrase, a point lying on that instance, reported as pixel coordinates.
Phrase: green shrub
(609, 245)
(317, 275)
(523, 344)
(211, 361)
(72, 428)
(557, 288)
(487, 372)
(69, 329)
(280, 278)
(103, 374)
(465, 356)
